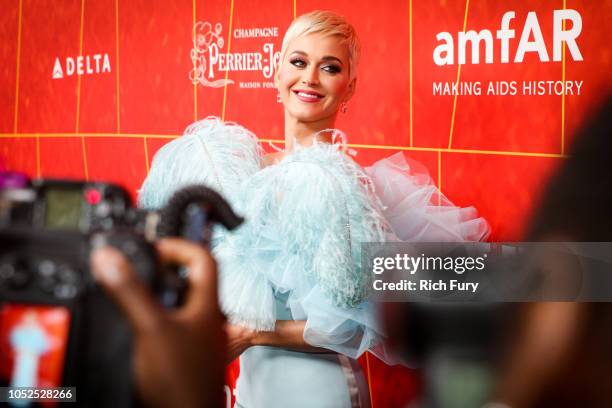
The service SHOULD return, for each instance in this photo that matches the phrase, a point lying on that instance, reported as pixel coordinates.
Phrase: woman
(292, 284)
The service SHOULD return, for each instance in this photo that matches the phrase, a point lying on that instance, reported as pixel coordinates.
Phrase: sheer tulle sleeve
(416, 209)
(347, 330)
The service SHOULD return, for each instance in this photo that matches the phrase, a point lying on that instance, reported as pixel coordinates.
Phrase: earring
(343, 107)
(278, 98)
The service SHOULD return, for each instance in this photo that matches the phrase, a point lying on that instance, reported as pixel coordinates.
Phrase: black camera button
(67, 275)
(46, 268)
(130, 248)
(65, 291)
(103, 209)
(98, 241)
(47, 284)
(16, 275)
(107, 223)
(119, 207)
(7, 270)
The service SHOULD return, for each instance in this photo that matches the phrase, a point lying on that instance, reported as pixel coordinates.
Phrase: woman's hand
(239, 339)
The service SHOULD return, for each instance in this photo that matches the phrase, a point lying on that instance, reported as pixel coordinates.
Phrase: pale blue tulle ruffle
(416, 210)
(220, 155)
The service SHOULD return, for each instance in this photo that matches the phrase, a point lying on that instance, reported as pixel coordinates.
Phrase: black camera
(52, 311)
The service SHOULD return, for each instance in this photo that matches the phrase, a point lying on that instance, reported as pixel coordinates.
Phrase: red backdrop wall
(91, 89)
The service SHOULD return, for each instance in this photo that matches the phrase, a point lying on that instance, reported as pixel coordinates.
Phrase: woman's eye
(332, 69)
(298, 62)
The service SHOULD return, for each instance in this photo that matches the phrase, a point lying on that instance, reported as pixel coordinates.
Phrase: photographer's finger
(202, 293)
(112, 270)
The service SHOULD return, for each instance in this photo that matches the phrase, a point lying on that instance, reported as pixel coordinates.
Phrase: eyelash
(300, 63)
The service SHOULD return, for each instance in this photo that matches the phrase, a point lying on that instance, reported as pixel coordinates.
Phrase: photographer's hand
(179, 355)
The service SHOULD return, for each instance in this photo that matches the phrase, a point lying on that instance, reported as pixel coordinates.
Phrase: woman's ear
(277, 77)
(351, 89)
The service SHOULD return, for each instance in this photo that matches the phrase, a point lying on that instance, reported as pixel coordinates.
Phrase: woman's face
(313, 79)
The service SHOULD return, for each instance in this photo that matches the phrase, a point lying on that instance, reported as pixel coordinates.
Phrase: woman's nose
(311, 76)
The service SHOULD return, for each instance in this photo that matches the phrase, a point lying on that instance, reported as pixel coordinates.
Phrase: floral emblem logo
(204, 37)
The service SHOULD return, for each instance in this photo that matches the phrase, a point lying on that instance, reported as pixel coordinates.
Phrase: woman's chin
(308, 115)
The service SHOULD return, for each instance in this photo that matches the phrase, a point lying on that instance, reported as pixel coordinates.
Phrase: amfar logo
(207, 57)
(82, 65)
(444, 53)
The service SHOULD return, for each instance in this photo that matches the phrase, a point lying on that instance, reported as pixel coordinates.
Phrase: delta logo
(81, 65)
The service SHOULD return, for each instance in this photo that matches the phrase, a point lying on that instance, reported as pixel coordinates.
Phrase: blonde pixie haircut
(326, 23)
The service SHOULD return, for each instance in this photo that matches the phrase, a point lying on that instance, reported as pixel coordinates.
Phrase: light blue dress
(275, 377)
(297, 256)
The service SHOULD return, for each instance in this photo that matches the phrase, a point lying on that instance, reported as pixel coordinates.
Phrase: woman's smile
(307, 96)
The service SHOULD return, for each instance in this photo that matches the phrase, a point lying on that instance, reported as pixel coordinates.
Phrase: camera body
(45, 275)
(48, 230)
(80, 206)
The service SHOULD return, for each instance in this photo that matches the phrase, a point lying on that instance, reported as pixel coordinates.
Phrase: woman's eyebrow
(325, 58)
(332, 58)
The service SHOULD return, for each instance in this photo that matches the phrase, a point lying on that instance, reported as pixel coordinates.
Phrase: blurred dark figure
(562, 354)
(577, 203)
(546, 354)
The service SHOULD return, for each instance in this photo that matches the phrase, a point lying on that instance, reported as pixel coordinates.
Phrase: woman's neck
(303, 133)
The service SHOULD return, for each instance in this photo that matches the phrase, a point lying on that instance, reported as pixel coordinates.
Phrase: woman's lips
(308, 96)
